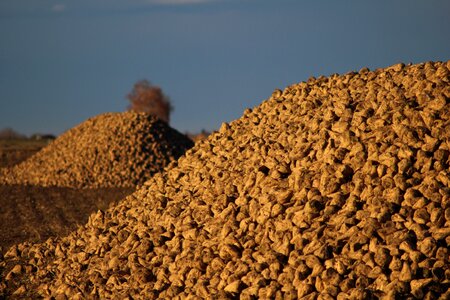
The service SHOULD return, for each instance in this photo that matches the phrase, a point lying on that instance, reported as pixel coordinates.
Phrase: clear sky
(63, 61)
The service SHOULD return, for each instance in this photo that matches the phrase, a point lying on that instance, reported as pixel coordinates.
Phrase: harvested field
(109, 150)
(13, 152)
(9, 158)
(338, 187)
(31, 213)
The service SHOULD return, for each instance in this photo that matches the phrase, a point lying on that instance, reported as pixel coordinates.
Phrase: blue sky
(63, 61)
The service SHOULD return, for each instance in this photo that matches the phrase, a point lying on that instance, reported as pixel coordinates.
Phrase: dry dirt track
(31, 213)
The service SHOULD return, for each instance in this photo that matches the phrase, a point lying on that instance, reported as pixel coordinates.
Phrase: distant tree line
(10, 134)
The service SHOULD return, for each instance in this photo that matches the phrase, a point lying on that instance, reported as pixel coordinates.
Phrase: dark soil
(11, 157)
(31, 213)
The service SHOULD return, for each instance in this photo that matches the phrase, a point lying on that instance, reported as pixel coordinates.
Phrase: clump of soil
(109, 150)
(337, 187)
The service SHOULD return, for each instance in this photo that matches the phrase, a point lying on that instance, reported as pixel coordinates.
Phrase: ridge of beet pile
(335, 188)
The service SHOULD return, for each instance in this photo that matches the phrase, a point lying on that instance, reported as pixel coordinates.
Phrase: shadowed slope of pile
(337, 187)
(109, 150)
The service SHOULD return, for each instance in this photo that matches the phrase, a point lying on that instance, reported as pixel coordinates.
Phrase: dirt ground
(30, 213)
(15, 151)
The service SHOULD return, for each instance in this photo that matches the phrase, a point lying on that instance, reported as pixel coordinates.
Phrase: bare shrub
(150, 99)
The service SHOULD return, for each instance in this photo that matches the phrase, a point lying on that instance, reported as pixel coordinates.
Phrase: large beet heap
(336, 187)
(109, 150)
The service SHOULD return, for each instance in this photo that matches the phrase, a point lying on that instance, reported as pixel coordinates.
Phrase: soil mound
(337, 187)
(109, 150)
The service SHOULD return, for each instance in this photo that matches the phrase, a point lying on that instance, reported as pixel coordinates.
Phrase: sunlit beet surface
(337, 187)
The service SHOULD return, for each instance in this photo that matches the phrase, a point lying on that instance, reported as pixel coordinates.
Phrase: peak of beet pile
(337, 187)
(109, 150)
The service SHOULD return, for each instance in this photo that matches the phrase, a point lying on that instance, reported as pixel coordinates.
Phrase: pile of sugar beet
(109, 150)
(337, 187)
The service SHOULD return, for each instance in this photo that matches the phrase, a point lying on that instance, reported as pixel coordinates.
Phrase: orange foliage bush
(150, 99)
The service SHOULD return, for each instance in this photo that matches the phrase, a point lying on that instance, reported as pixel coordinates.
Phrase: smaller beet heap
(109, 150)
